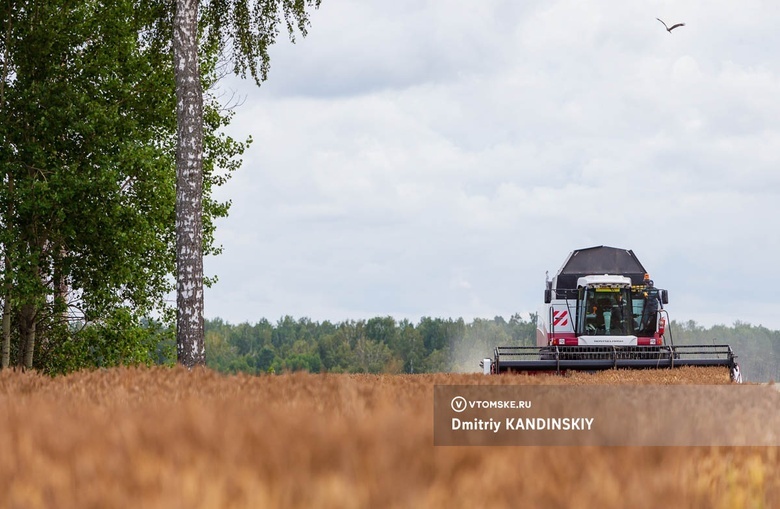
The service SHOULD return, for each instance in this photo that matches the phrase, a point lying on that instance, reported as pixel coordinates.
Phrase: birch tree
(244, 30)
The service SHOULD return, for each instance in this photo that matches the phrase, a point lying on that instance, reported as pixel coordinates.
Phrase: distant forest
(386, 345)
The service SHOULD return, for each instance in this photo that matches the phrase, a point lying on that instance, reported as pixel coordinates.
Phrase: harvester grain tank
(602, 311)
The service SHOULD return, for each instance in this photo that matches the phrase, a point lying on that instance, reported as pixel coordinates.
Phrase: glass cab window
(605, 312)
(645, 310)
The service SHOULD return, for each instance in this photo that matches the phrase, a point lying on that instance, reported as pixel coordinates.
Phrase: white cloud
(436, 158)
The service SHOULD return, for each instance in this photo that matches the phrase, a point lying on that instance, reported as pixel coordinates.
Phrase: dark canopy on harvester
(599, 260)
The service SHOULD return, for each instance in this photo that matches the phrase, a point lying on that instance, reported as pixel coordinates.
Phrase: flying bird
(669, 29)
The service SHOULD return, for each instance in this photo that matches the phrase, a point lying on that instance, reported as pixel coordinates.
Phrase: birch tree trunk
(28, 329)
(5, 362)
(6, 348)
(189, 186)
(5, 357)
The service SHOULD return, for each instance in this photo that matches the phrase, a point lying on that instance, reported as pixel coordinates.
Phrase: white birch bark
(189, 186)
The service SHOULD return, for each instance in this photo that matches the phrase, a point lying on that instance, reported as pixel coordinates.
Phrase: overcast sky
(434, 158)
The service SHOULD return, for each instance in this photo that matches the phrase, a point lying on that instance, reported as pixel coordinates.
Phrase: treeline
(386, 345)
(757, 348)
(377, 345)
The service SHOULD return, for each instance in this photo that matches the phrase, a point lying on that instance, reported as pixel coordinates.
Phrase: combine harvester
(602, 311)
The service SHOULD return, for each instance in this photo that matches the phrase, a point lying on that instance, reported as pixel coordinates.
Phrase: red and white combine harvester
(602, 311)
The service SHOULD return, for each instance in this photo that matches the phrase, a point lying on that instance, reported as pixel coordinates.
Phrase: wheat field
(171, 438)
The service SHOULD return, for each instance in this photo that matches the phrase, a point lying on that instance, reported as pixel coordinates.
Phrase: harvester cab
(610, 310)
(603, 311)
